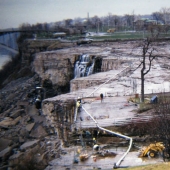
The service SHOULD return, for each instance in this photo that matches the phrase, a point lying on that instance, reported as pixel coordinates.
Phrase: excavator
(152, 150)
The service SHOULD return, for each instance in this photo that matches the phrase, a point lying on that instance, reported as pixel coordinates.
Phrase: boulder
(30, 126)
(4, 143)
(38, 132)
(14, 159)
(28, 145)
(17, 113)
(5, 153)
(9, 121)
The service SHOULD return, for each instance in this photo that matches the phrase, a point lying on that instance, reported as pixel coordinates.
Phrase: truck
(111, 30)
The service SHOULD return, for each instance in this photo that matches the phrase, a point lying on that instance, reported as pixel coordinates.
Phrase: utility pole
(88, 21)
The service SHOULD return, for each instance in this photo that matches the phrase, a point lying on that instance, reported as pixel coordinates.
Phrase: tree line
(159, 20)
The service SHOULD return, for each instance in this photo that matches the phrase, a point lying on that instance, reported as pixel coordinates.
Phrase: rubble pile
(25, 134)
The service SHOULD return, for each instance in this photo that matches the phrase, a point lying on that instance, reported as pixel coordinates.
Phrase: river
(4, 57)
(8, 46)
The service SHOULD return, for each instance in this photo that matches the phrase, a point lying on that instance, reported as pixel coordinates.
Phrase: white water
(82, 67)
(3, 60)
(10, 40)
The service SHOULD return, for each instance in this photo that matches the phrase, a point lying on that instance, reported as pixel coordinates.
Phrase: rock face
(21, 122)
(57, 67)
(32, 46)
(24, 127)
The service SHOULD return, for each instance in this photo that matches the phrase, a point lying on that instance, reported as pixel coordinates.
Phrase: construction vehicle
(152, 150)
(111, 30)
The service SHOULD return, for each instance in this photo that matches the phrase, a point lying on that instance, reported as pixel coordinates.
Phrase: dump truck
(152, 150)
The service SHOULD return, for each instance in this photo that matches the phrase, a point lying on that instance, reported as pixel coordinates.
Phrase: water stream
(84, 66)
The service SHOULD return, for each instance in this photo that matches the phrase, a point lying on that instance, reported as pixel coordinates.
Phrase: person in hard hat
(94, 141)
(79, 99)
(78, 104)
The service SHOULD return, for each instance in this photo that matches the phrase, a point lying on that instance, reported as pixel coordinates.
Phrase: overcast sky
(15, 12)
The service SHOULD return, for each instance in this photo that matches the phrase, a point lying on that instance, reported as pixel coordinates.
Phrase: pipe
(116, 165)
(89, 115)
(123, 136)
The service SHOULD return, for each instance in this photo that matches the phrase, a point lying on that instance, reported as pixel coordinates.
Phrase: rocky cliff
(23, 127)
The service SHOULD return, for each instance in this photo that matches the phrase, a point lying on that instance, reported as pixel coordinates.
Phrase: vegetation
(158, 124)
(147, 54)
(146, 24)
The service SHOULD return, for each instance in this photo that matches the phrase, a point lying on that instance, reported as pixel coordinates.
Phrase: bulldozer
(152, 150)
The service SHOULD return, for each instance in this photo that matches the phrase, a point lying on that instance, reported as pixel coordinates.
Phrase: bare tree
(157, 16)
(95, 23)
(148, 50)
(129, 20)
(68, 22)
(166, 15)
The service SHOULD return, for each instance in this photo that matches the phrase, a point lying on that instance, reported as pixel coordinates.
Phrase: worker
(79, 99)
(94, 141)
(101, 97)
(38, 102)
(88, 134)
(78, 104)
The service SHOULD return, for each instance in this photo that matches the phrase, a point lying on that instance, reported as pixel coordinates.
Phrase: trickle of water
(83, 67)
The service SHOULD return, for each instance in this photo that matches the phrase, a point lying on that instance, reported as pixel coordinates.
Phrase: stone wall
(84, 82)
(110, 64)
(60, 114)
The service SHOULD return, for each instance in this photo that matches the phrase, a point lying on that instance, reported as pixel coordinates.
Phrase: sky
(15, 12)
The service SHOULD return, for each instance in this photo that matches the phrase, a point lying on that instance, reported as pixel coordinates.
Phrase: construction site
(90, 125)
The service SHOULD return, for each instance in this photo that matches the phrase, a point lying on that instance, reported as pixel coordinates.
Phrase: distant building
(144, 23)
(59, 34)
